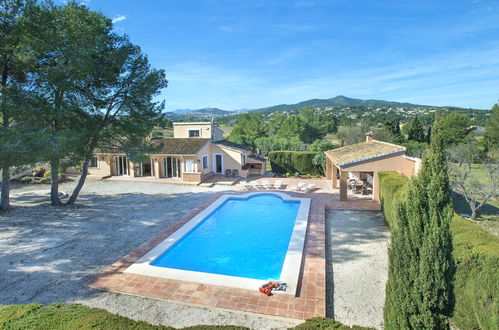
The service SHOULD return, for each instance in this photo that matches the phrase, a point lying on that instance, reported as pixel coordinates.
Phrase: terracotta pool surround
(310, 299)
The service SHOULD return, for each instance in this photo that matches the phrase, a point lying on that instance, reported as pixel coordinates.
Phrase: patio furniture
(258, 185)
(228, 172)
(245, 185)
(308, 187)
(278, 184)
(358, 189)
(235, 173)
(267, 184)
(297, 187)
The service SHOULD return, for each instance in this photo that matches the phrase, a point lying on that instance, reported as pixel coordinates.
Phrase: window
(244, 159)
(189, 165)
(93, 162)
(193, 133)
(205, 161)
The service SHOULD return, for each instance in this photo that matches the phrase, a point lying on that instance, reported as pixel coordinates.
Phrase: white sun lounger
(245, 185)
(308, 187)
(278, 184)
(297, 187)
(267, 184)
(258, 185)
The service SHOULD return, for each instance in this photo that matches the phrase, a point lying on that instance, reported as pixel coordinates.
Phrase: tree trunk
(81, 182)
(54, 189)
(473, 213)
(5, 202)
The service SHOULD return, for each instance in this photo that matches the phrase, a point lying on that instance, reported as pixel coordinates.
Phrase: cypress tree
(416, 130)
(419, 288)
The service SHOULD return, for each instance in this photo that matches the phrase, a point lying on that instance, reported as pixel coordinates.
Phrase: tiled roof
(180, 146)
(232, 145)
(362, 151)
(255, 157)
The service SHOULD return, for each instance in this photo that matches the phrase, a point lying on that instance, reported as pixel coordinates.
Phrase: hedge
(79, 317)
(390, 189)
(476, 254)
(293, 161)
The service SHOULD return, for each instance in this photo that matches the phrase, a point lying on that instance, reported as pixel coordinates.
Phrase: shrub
(476, 255)
(325, 323)
(293, 161)
(75, 316)
(26, 179)
(390, 189)
(47, 177)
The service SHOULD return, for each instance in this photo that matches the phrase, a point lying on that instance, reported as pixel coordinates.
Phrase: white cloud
(119, 18)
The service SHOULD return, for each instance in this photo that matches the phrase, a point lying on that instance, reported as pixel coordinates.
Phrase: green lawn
(79, 317)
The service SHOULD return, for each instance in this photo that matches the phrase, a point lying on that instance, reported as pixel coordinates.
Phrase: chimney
(369, 136)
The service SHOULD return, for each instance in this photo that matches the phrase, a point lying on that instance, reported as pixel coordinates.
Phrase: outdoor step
(206, 184)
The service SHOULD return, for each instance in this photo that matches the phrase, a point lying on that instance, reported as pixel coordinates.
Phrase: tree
(265, 145)
(393, 126)
(275, 123)
(477, 183)
(456, 128)
(16, 138)
(122, 112)
(419, 288)
(354, 134)
(491, 138)
(292, 127)
(322, 145)
(249, 127)
(416, 130)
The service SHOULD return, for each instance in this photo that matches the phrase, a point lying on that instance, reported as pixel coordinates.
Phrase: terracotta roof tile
(362, 151)
(180, 146)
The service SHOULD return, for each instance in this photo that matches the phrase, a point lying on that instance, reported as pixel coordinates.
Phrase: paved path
(47, 254)
(357, 266)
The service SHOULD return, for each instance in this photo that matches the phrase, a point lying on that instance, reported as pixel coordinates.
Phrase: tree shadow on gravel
(49, 253)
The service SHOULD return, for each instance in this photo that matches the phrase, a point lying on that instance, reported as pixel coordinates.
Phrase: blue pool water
(242, 237)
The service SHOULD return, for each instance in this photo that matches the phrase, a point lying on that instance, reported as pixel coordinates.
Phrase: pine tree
(419, 288)
(416, 130)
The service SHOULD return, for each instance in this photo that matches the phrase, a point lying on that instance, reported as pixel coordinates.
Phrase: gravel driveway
(357, 266)
(47, 254)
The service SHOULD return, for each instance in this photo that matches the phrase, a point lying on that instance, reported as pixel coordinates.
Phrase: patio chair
(245, 185)
(258, 185)
(228, 172)
(297, 187)
(278, 184)
(235, 173)
(267, 184)
(308, 187)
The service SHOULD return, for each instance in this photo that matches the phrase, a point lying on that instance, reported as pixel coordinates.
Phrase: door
(120, 166)
(171, 167)
(218, 163)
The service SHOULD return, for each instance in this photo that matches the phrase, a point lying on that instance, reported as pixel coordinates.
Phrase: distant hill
(337, 101)
(204, 111)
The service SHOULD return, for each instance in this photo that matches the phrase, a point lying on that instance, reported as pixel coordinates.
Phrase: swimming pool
(238, 241)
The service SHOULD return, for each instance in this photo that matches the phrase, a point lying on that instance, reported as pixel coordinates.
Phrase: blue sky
(251, 54)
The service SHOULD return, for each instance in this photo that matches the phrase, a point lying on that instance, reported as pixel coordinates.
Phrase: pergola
(363, 161)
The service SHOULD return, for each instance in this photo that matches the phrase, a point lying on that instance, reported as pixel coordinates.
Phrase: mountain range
(339, 100)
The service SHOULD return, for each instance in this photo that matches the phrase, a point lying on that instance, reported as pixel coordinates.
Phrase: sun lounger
(278, 184)
(245, 185)
(297, 187)
(308, 187)
(267, 184)
(258, 185)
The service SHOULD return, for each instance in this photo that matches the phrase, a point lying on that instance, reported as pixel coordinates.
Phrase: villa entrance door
(171, 167)
(218, 166)
(121, 165)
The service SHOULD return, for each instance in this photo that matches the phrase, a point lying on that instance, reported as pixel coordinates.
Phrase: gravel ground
(47, 254)
(357, 266)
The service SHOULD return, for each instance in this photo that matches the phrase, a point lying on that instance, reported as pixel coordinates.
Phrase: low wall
(192, 177)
